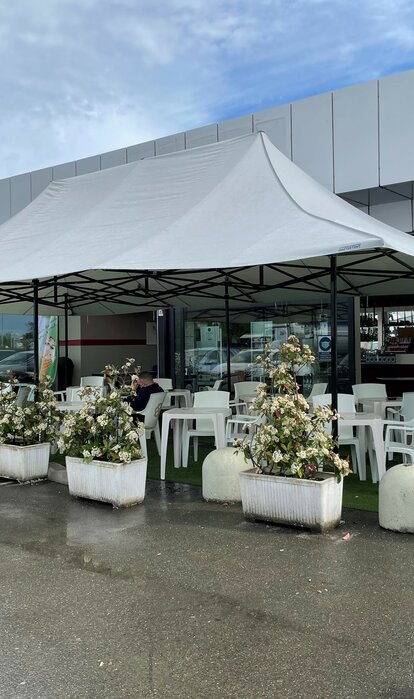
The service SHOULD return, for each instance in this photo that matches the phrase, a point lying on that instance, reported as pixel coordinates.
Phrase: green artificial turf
(361, 495)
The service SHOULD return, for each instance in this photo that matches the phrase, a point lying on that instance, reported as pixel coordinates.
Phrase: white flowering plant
(290, 441)
(36, 422)
(102, 429)
(122, 378)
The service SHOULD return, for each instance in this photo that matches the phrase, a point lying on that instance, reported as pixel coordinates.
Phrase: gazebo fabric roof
(171, 230)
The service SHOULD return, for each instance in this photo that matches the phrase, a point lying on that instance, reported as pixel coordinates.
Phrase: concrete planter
(396, 499)
(297, 502)
(24, 463)
(122, 485)
(221, 470)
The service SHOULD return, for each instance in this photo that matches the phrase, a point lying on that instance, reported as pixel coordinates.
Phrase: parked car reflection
(244, 368)
(20, 363)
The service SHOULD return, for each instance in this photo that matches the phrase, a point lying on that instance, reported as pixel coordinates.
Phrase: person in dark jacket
(144, 387)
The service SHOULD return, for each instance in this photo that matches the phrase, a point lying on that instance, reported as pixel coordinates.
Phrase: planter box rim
(37, 445)
(324, 477)
(105, 464)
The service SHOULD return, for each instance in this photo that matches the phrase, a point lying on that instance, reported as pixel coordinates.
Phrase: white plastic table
(218, 418)
(375, 446)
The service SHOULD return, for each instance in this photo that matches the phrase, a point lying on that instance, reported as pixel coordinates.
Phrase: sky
(80, 77)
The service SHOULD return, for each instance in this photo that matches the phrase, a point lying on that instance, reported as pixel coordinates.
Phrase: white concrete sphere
(221, 470)
(396, 499)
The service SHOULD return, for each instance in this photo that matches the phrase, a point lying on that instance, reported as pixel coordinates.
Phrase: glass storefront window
(16, 347)
(204, 343)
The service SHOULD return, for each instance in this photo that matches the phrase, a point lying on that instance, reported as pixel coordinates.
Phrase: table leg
(379, 450)
(164, 444)
(177, 443)
(220, 431)
(362, 451)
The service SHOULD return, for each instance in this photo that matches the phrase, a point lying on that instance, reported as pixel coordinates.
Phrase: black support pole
(334, 343)
(35, 284)
(227, 324)
(66, 341)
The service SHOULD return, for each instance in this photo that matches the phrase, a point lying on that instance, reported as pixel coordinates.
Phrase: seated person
(145, 386)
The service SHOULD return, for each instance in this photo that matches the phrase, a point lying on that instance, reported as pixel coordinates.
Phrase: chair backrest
(407, 406)
(244, 388)
(318, 389)
(369, 390)
(216, 385)
(23, 395)
(152, 410)
(346, 404)
(73, 393)
(166, 384)
(92, 381)
(210, 399)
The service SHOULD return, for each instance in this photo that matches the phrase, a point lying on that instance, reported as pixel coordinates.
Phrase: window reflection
(204, 354)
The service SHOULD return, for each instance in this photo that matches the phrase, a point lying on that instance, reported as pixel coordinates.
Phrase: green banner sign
(48, 347)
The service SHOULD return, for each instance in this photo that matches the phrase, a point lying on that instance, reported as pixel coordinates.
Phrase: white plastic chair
(398, 432)
(399, 437)
(216, 386)
(92, 381)
(242, 391)
(369, 390)
(166, 384)
(23, 395)
(73, 393)
(406, 410)
(318, 389)
(151, 414)
(242, 426)
(143, 445)
(346, 404)
(203, 427)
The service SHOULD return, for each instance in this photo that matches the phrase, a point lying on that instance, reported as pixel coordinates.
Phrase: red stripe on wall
(95, 343)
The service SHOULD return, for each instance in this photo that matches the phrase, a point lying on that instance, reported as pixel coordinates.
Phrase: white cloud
(86, 76)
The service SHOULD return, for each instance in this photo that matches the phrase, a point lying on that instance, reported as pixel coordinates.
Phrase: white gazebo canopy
(174, 229)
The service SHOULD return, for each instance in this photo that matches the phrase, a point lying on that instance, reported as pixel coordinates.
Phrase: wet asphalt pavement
(178, 598)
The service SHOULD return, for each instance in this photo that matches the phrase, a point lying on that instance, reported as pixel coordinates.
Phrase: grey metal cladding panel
(357, 198)
(91, 164)
(355, 119)
(169, 144)
(113, 158)
(241, 126)
(396, 132)
(140, 150)
(40, 180)
(276, 124)
(4, 200)
(20, 192)
(312, 147)
(64, 170)
(388, 194)
(201, 137)
(397, 214)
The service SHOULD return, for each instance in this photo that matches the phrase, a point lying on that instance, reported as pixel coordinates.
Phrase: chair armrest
(392, 411)
(399, 428)
(60, 395)
(241, 405)
(243, 420)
